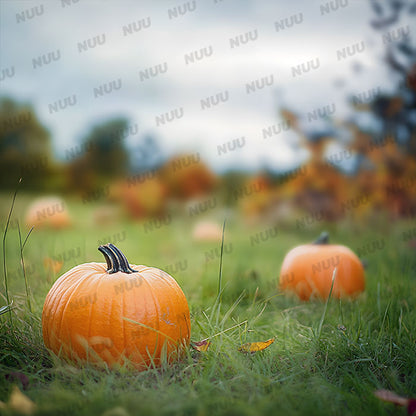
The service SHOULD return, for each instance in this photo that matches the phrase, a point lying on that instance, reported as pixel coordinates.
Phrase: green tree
(104, 157)
(107, 155)
(25, 147)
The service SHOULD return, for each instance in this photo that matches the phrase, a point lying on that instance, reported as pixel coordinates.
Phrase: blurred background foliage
(144, 182)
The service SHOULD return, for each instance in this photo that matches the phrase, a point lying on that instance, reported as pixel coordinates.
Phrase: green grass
(314, 367)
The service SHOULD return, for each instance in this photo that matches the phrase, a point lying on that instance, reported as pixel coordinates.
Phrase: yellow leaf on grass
(20, 403)
(53, 265)
(201, 346)
(252, 347)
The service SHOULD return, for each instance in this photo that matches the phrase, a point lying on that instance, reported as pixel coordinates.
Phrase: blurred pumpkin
(207, 231)
(116, 314)
(48, 211)
(307, 271)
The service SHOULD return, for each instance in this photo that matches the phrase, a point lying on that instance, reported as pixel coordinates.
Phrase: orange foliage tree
(186, 176)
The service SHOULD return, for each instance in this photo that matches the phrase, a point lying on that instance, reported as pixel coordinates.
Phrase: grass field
(314, 367)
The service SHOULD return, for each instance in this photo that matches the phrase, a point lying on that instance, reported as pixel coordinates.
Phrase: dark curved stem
(107, 256)
(323, 238)
(116, 260)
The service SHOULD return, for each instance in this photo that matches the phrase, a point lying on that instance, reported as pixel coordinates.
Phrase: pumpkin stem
(322, 239)
(116, 260)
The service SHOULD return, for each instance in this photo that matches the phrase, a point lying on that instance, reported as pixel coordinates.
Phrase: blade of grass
(228, 329)
(6, 283)
(22, 246)
(216, 308)
(221, 255)
(28, 234)
(341, 314)
(326, 304)
(383, 321)
(150, 328)
(5, 308)
(232, 308)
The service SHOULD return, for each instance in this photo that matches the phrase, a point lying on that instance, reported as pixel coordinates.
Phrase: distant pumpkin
(307, 271)
(49, 212)
(207, 231)
(116, 314)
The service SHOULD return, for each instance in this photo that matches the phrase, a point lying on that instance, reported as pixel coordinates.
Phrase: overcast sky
(242, 44)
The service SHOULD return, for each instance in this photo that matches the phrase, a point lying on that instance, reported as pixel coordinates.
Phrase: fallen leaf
(252, 347)
(20, 403)
(391, 397)
(201, 346)
(52, 265)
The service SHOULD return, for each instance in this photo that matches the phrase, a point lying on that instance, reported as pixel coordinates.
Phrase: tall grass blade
(22, 262)
(221, 255)
(326, 304)
(228, 329)
(6, 283)
(217, 303)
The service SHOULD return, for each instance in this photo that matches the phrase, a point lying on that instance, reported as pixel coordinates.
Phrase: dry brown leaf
(20, 403)
(252, 347)
(201, 346)
(391, 397)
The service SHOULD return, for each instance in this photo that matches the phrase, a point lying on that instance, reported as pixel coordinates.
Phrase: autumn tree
(187, 176)
(388, 168)
(385, 153)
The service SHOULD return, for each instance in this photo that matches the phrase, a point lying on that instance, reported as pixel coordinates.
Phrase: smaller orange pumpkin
(307, 270)
(50, 211)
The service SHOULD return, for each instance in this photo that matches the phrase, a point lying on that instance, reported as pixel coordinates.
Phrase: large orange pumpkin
(307, 271)
(117, 314)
